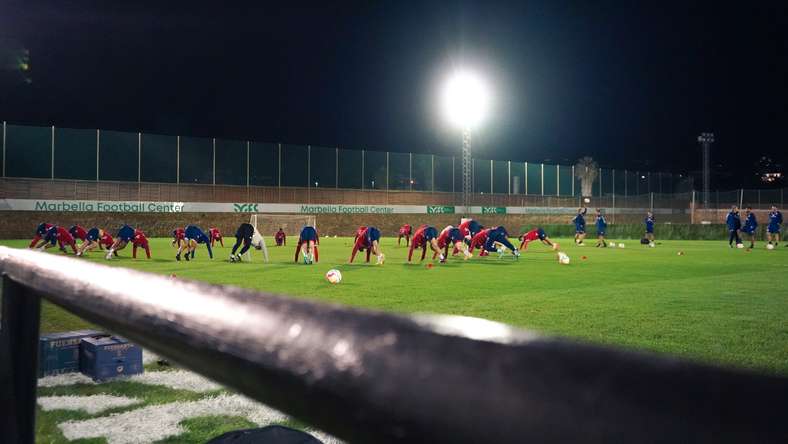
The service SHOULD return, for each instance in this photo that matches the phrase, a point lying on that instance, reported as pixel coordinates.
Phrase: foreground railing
(374, 377)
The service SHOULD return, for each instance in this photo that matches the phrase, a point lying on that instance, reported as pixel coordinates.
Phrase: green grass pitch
(711, 304)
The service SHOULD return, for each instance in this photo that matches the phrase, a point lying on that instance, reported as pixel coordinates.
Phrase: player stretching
(61, 237)
(125, 235)
(478, 241)
(750, 225)
(425, 235)
(77, 232)
(649, 221)
(773, 230)
(41, 231)
(469, 228)
(368, 238)
(280, 237)
(140, 240)
(194, 235)
(178, 237)
(601, 228)
(452, 236)
(308, 241)
(216, 236)
(404, 231)
(498, 235)
(245, 235)
(580, 226)
(733, 221)
(95, 237)
(536, 234)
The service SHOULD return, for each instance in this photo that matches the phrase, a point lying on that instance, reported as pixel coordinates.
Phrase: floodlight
(465, 100)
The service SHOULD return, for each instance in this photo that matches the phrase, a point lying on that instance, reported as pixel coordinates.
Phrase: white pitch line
(91, 404)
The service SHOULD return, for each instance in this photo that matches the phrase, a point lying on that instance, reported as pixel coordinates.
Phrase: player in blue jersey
(125, 235)
(649, 221)
(733, 221)
(601, 228)
(580, 226)
(773, 229)
(750, 225)
(498, 237)
(308, 242)
(193, 236)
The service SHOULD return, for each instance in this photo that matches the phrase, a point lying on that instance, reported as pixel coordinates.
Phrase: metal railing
(368, 376)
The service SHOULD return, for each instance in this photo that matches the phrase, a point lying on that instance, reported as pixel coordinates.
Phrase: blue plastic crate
(59, 352)
(106, 357)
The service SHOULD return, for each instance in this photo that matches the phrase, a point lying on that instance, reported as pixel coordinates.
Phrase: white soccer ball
(652, 245)
(739, 245)
(769, 247)
(612, 245)
(334, 276)
(563, 258)
(620, 245)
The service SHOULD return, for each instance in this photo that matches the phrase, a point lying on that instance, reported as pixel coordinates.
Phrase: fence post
(279, 166)
(573, 180)
(692, 208)
(248, 160)
(4, 148)
(542, 174)
(432, 168)
(558, 180)
(336, 168)
(492, 190)
(213, 172)
(741, 197)
(178, 160)
(651, 201)
(600, 183)
(363, 176)
(452, 174)
(509, 175)
(626, 180)
(21, 311)
(98, 153)
(139, 158)
(410, 171)
(52, 153)
(526, 178)
(387, 172)
(309, 166)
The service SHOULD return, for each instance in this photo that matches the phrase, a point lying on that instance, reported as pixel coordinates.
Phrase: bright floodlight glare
(465, 100)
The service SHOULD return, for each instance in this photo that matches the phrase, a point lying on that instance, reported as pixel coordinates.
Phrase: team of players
(465, 238)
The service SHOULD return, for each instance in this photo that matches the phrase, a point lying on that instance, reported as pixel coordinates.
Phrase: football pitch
(710, 304)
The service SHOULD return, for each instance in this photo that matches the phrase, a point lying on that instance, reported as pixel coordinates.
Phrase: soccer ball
(620, 245)
(334, 276)
(739, 245)
(612, 245)
(563, 258)
(769, 247)
(651, 245)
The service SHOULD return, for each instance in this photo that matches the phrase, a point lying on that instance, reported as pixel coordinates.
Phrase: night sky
(628, 84)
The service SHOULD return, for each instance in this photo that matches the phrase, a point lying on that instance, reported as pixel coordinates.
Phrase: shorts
(244, 231)
(93, 235)
(649, 230)
(308, 234)
(373, 234)
(52, 240)
(773, 229)
(455, 235)
(748, 230)
(430, 233)
(126, 234)
(579, 230)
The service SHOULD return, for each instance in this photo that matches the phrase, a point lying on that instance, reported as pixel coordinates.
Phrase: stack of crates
(94, 353)
(59, 352)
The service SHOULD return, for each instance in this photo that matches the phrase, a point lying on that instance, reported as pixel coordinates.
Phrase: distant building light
(771, 177)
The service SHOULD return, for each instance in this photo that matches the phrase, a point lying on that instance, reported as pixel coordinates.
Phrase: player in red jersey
(536, 234)
(215, 236)
(178, 237)
(140, 240)
(77, 232)
(41, 231)
(423, 236)
(452, 235)
(59, 236)
(368, 238)
(469, 228)
(404, 231)
(478, 241)
(280, 237)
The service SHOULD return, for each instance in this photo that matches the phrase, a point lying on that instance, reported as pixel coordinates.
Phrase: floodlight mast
(706, 139)
(467, 189)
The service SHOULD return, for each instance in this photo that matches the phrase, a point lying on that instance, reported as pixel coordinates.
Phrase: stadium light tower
(706, 139)
(465, 103)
